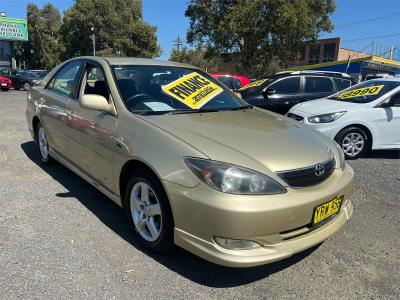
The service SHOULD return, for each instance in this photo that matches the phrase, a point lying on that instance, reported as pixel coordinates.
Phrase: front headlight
(326, 118)
(233, 179)
(342, 161)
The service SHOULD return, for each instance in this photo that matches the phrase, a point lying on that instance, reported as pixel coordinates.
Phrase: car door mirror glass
(96, 102)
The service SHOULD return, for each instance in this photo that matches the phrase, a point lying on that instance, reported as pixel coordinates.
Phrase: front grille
(296, 117)
(308, 176)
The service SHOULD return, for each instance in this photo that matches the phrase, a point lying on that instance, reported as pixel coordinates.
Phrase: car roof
(314, 72)
(118, 61)
(397, 79)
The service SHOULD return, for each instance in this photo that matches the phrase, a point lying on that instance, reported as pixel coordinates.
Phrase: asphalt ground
(60, 238)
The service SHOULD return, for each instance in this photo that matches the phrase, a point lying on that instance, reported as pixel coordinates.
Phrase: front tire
(354, 142)
(149, 214)
(43, 145)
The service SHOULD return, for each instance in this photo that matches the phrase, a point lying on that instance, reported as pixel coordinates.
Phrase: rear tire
(354, 142)
(149, 213)
(26, 86)
(4, 89)
(42, 144)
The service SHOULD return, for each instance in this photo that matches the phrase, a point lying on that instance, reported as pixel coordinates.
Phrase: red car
(5, 83)
(234, 82)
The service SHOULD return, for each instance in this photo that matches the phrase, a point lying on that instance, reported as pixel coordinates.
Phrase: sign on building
(13, 29)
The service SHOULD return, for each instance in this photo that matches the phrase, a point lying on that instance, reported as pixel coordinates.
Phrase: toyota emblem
(319, 170)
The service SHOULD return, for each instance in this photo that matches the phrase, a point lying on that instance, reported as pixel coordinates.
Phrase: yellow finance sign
(193, 90)
(367, 91)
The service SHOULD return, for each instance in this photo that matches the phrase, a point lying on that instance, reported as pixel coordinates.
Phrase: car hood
(251, 138)
(323, 106)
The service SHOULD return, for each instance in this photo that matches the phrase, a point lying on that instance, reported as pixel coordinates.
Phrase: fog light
(233, 244)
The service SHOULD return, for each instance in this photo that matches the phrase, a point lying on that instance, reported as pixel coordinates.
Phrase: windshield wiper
(192, 111)
(248, 106)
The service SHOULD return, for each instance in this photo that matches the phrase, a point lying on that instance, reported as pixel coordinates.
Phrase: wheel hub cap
(146, 212)
(353, 144)
(43, 146)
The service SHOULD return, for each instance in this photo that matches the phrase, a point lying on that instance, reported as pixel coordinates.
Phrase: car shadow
(384, 154)
(179, 261)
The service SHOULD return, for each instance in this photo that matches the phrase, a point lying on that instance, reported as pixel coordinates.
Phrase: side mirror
(96, 102)
(269, 91)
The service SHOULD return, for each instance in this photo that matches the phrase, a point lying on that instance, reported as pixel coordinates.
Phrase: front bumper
(277, 222)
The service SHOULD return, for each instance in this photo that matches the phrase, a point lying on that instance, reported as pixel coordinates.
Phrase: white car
(362, 117)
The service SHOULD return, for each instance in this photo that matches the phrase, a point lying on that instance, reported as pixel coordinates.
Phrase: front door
(92, 132)
(387, 123)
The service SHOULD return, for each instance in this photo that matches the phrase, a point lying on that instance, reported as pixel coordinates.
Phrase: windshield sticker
(368, 91)
(193, 90)
(252, 84)
(158, 106)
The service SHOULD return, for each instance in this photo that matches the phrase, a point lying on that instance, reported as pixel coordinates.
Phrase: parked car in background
(234, 82)
(285, 89)
(377, 76)
(365, 116)
(21, 79)
(191, 163)
(40, 73)
(5, 83)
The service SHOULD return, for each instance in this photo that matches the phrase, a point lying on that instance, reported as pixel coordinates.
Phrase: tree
(44, 49)
(261, 31)
(118, 26)
(194, 57)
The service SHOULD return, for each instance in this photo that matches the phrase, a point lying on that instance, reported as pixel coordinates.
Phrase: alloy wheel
(43, 145)
(146, 212)
(27, 86)
(353, 144)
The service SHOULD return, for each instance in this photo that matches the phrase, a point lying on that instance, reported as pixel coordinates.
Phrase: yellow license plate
(327, 209)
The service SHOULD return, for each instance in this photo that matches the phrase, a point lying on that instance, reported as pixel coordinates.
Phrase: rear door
(92, 132)
(53, 101)
(316, 87)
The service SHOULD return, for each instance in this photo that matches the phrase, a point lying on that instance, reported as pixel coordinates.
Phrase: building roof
(372, 58)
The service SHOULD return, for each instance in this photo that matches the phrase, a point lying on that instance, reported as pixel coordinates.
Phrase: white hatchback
(364, 116)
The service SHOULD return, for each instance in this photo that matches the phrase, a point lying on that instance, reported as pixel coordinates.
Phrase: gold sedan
(190, 162)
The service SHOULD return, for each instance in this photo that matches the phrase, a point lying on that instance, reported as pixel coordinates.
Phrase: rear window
(318, 84)
(366, 91)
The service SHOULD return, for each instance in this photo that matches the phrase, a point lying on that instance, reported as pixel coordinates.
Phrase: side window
(318, 84)
(95, 82)
(290, 85)
(14, 72)
(342, 84)
(65, 79)
(5, 72)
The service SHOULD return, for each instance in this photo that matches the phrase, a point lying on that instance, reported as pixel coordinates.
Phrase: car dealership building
(11, 30)
(327, 55)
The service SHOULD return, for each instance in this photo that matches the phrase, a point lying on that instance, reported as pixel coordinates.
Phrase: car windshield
(366, 91)
(165, 89)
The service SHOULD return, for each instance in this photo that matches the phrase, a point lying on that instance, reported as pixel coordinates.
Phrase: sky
(169, 17)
